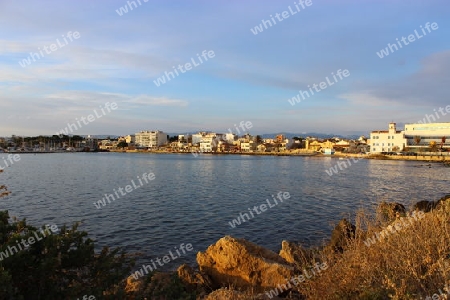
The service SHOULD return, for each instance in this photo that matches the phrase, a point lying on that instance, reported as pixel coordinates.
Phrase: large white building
(387, 140)
(416, 135)
(150, 139)
(420, 135)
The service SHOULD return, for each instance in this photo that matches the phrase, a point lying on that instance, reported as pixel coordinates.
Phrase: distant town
(414, 138)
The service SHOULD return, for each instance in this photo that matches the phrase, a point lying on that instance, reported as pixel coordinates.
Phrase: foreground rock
(194, 280)
(427, 206)
(223, 294)
(294, 254)
(242, 264)
(133, 285)
(227, 294)
(390, 211)
(342, 233)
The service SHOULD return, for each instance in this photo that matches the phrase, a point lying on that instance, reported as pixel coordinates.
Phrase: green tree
(122, 144)
(62, 265)
(59, 266)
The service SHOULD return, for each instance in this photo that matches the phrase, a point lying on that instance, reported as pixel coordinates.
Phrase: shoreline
(425, 158)
(428, 158)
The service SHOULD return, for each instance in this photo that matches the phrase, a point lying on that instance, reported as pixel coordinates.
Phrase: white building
(390, 140)
(416, 135)
(248, 146)
(184, 138)
(420, 135)
(150, 139)
(197, 138)
(130, 139)
(206, 146)
(229, 137)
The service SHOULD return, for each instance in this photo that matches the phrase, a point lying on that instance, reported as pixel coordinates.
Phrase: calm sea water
(192, 199)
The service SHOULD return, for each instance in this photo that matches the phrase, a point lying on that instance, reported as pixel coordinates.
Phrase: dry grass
(409, 264)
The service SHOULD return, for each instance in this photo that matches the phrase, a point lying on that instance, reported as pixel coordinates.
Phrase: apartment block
(150, 139)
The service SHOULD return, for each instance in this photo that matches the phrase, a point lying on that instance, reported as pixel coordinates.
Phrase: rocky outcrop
(133, 285)
(225, 294)
(389, 211)
(294, 254)
(425, 206)
(242, 264)
(343, 231)
(194, 280)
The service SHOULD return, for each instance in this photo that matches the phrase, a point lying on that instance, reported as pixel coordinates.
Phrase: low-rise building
(391, 140)
(248, 146)
(108, 145)
(130, 139)
(206, 146)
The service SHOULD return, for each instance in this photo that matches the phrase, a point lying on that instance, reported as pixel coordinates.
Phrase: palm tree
(433, 146)
(417, 139)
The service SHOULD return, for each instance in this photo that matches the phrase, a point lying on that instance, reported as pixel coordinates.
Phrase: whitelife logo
(263, 207)
(323, 85)
(187, 67)
(22, 244)
(166, 259)
(90, 118)
(431, 118)
(284, 15)
(340, 164)
(296, 280)
(128, 189)
(411, 38)
(124, 9)
(395, 227)
(11, 158)
(49, 49)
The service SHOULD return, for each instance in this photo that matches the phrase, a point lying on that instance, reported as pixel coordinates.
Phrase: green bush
(62, 265)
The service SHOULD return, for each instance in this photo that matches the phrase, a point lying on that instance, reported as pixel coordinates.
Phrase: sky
(113, 56)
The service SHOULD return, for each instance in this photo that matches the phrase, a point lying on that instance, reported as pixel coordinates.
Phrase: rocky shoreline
(234, 268)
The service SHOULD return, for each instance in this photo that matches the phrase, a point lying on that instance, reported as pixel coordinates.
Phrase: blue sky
(250, 78)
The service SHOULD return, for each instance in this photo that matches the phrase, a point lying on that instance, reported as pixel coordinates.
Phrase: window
(389, 137)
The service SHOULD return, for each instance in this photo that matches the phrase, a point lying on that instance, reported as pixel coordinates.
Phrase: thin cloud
(144, 100)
